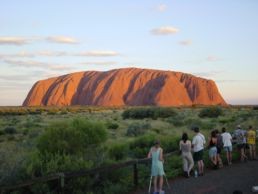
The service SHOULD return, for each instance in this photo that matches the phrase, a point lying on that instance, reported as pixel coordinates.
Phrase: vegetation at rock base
(40, 141)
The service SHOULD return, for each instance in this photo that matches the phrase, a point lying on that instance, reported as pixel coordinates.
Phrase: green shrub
(169, 143)
(2, 132)
(10, 130)
(53, 111)
(177, 120)
(71, 137)
(25, 131)
(244, 116)
(149, 112)
(15, 121)
(33, 111)
(40, 164)
(112, 125)
(164, 112)
(136, 129)
(10, 137)
(118, 151)
(211, 112)
(192, 123)
(140, 147)
(255, 108)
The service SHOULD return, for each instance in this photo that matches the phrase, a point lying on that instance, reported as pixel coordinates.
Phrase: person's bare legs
(253, 148)
(251, 152)
(219, 161)
(227, 154)
(242, 153)
(160, 183)
(155, 183)
(200, 166)
(230, 157)
(213, 160)
(191, 165)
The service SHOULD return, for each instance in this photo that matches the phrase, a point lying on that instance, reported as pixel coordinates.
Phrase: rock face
(120, 87)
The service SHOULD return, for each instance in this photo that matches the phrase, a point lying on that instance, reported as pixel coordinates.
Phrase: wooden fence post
(61, 183)
(135, 174)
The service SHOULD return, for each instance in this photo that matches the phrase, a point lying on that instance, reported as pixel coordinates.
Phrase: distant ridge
(124, 87)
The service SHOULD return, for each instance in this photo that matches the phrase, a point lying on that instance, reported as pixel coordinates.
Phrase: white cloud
(37, 64)
(45, 53)
(208, 74)
(60, 67)
(14, 40)
(16, 77)
(62, 39)
(20, 54)
(165, 30)
(25, 54)
(230, 81)
(162, 7)
(52, 53)
(19, 41)
(99, 63)
(212, 58)
(27, 63)
(20, 78)
(98, 53)
(185, 42)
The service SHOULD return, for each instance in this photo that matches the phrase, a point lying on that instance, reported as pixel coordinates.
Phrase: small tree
(211, 112)
(71, 137)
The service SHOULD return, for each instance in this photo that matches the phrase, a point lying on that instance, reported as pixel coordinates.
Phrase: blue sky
(212, 39)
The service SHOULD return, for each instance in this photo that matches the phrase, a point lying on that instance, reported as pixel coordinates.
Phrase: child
(157, 171)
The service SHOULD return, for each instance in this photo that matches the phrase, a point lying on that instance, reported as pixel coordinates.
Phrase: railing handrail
(80, 173)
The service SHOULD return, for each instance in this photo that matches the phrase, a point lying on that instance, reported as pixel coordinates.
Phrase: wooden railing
(60, 178)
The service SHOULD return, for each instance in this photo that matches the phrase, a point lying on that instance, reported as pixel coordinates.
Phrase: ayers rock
(121, 87)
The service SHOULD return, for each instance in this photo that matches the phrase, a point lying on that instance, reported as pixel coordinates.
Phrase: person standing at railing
(213, 149)
(240, 136)
(157, 170)
(185, 148)
(198, 147)
(219, 147)
(251, 138)
(227, 144)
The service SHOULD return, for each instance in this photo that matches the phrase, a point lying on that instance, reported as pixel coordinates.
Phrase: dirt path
(240, 176)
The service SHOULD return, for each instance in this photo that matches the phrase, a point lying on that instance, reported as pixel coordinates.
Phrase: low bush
(141, 146)
(112, 125)
(211, 112)
(2, 132)
(71, 137)
(118, 151)
(53, 111)
(40, 164)
(169, 143)
(177, 120)
(192, 123)
(136, 129)
(255, 108)
(10, 130)
(149, 112)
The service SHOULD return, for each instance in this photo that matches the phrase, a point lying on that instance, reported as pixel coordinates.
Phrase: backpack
(219, 141)
(239, 136)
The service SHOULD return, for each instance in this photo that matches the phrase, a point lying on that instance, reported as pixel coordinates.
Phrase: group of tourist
(218, 141)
